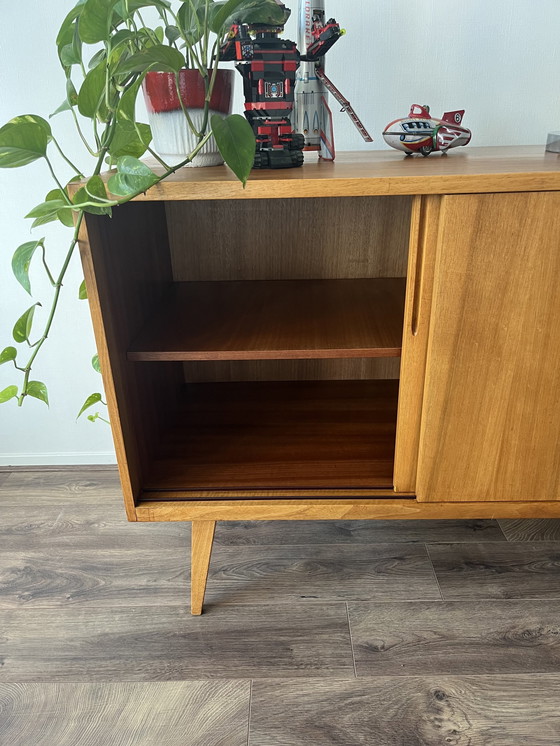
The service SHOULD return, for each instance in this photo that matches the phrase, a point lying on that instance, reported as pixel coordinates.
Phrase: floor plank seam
(434, 573)
(351, 640)
(499, 522)
(250, 712)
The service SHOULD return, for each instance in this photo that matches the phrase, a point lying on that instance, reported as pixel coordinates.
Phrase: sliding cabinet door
(490, 425)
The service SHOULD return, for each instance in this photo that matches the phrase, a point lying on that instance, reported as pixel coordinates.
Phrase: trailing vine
(107, 46)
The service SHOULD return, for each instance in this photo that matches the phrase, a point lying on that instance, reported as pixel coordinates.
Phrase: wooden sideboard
(374, 338)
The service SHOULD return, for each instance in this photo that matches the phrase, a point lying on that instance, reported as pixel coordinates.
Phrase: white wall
(500, 61)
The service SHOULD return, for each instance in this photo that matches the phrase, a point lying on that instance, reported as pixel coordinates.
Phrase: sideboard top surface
(370, 173)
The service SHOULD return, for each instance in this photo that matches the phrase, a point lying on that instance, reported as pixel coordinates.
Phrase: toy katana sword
(312, 115)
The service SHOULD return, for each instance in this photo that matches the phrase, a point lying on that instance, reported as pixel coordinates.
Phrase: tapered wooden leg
(201, 549)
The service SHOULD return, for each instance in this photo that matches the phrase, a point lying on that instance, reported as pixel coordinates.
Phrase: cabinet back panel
(293, 370)
(318, 238)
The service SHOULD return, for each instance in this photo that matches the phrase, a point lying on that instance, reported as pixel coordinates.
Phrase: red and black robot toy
(268, 65)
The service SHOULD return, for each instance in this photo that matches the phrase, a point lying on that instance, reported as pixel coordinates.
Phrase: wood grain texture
(53, 527)
(53, 488)
(472, 170)
(291, 574)
(193, 713)
(281, 239)
(201, 550)
(348, 369)
(96, 579)
(306, 533)
(276, 506)
(154, 643)
(503, 570)
(89, 528)
(537, 529)
(407, 711)
(320, 434)
(491, 419)
(456, 638)
(263, 320)
(416, 330)
(127, 268)
(61, 468)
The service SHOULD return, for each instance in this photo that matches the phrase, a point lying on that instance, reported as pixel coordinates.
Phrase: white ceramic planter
(173, 138)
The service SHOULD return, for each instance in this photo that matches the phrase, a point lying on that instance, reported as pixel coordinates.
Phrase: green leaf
(191, 19)
(130, 138)
(95, 187)
(94, 191)
(92, 91)
(67, 29)
(263, 12)
(22, 327)
(96, 21)
(64, 106)
(95, 363)
(45, 208)
(172, 33)
(132, 177)
(22, 143)
(82, 196)
(33, 119)
(47, 211)
(70, 52)
(134, 5)
(38, 390)
(100, 56)
(7, 355)
(127, 106)
(236, 142)
(9, 393)
(82, 292)
(89, 402)
(158, 57)
(21, 261)
(76, 46)
(65, 216)
(121, 37)
(70, 101)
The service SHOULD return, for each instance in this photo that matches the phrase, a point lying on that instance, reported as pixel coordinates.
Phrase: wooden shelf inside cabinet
(277, 319)
(260, 436)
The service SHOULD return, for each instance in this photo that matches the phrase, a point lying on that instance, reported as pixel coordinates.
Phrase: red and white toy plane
(419, 132)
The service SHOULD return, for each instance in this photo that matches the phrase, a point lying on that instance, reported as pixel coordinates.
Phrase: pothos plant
(106, 49)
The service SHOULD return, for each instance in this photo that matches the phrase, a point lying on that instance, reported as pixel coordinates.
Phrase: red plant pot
(173, 138)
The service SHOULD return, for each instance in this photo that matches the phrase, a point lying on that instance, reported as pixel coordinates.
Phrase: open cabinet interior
(254, 345)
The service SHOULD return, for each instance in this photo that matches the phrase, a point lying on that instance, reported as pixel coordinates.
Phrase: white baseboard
(77, 458)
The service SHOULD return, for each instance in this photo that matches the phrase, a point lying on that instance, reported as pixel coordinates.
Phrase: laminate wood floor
(340, 633)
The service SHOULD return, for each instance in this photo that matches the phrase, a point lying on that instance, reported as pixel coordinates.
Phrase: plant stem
(149, 30)
(62, 189)
(76, 170)
(57, 289)
(76, 122)
(54, 305)
(47, 270)
(158, 159)
(206, 36)
(183, 107)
